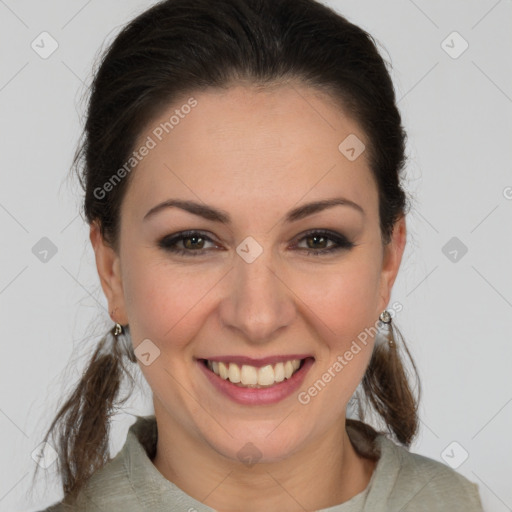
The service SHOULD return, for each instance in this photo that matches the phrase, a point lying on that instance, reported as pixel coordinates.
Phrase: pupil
(316, 238)
(195, 238)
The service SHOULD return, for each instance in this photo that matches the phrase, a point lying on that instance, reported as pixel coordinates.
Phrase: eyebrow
(217, 215)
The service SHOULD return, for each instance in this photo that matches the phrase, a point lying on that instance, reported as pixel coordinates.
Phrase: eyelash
(168, 243)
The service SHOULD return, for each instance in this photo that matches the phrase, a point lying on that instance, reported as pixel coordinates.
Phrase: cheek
(341, 304)
(167, 302)
(163, 302)
(344, 298)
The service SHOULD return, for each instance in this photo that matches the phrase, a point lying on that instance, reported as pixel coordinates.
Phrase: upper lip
(263, 361)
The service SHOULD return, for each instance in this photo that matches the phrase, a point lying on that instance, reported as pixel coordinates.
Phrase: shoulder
(60, 507)
(424, 484)
(107, 487)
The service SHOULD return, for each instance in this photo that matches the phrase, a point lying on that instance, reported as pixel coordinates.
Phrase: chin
(257, 445)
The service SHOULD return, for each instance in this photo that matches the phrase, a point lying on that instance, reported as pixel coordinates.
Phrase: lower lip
(258, 396)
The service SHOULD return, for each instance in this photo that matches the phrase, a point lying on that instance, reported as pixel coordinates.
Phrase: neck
(320, 475)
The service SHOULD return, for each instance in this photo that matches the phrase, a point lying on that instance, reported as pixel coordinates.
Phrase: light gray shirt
(402, 481)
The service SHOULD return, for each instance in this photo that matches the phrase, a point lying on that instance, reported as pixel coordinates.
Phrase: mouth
(249, 376)
(253, 382)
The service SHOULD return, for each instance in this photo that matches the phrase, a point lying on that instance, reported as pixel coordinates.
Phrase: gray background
(457, 314)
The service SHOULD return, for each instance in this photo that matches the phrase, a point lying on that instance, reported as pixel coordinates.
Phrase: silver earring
(123, 338)
(385, 331)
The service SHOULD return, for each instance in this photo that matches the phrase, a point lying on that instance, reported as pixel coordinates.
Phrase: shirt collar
(149, 484)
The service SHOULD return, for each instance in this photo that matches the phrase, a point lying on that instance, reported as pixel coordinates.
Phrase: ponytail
(81, 428)
(387, 389)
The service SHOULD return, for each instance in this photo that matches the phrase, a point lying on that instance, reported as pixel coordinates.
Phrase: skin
(255, 154)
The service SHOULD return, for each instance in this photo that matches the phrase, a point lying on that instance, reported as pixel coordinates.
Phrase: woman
(241, 166)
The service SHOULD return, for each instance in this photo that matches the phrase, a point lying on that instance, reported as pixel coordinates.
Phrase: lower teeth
(240, 385)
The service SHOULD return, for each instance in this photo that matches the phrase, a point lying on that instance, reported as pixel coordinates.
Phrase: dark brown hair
(178, 47)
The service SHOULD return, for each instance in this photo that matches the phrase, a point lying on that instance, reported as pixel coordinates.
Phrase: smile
(249, 381)
(252, 376)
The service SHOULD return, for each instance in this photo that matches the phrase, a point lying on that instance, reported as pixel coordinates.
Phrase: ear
(109, 272)
(391, 259)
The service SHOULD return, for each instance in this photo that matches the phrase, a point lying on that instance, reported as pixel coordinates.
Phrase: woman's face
(243, 288)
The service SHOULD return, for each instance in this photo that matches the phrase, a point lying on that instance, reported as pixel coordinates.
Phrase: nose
(258, 303)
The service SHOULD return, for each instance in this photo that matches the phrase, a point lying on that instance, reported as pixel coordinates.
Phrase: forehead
(248, 148)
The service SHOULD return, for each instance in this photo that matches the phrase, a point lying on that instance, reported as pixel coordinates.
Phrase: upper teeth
(251, 375)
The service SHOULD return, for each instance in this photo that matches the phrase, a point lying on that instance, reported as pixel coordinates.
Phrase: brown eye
(317, 242)
(195, 242)
(192, 243)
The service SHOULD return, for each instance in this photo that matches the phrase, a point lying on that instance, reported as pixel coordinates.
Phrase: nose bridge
(258, 302)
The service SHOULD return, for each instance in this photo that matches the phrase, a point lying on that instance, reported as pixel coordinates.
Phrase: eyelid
(340, 241)
(181, 235)
(332, 235)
